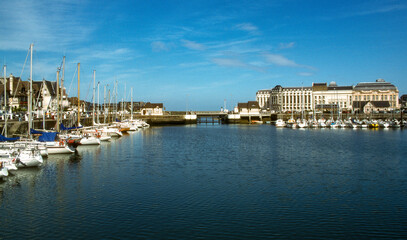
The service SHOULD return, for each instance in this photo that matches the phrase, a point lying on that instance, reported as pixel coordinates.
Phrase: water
(216, 181)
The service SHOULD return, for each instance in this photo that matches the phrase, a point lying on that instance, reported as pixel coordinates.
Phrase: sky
(199, 55)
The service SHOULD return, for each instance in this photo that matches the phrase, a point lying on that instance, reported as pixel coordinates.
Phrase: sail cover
(47, 137)
(63, 128)
(5, 139)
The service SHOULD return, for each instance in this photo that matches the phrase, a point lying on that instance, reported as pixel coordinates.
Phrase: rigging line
(22, 70)
(70, 85)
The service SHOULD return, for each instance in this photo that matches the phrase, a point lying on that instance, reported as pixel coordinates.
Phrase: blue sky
(199, 53)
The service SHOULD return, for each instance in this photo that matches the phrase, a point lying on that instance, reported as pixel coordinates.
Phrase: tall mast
(58, 99)
(108, 108)
(30, 92)
(62, 86)
(5, 101)
(98, 104)
(94, 94)
(104, 104)
(131, 117)
(79, 101)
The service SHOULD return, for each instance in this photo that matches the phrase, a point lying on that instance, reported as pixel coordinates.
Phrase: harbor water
(218, 182)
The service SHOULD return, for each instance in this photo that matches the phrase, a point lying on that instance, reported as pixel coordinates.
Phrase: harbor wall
(20, 128)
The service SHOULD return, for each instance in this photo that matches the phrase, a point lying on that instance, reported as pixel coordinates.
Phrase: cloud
(280, 60)
(233, 62)
(26, 22)
(159, 46)
(228, 62)
(381, 9)
(193, 45)
(287, 45)
(305, 74)
(248, 27)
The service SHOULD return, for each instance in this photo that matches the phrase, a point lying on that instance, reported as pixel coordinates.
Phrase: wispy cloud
(380, 9)
(369, 8)
(159, 46)
(25, 22)
(287, 45)
(237, 63)
(280, 60)
(229, 62)
(305, 74)
(193, 45)
(248, 27)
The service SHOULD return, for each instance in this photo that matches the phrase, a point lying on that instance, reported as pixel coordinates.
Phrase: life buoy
(61, 143)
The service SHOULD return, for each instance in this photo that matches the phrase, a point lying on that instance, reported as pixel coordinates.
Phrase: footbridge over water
(210, 116)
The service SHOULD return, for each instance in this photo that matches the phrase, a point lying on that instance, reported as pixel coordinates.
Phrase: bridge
(210, 113)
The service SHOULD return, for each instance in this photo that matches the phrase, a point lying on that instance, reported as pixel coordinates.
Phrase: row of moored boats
(330, 123)
(17, 153)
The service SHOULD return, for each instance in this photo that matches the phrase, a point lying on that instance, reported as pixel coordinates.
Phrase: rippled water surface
(228, 181)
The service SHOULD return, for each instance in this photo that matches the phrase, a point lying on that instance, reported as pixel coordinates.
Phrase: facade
(370, 106)
(377, 91)
(403, 101)
(288, 99)
(331, 97)
(323, 97)
(263, 98)
(152, 109)
(251, 107)
(47, 100)
(44, 94)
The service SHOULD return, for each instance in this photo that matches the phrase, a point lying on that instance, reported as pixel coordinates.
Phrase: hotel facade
(329, 97)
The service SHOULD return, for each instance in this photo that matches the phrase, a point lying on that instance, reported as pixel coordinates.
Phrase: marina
(199, 181)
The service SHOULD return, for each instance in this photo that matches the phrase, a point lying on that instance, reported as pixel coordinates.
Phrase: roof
(248, 105)
(380, 84)
(378, 104)
(153, 105)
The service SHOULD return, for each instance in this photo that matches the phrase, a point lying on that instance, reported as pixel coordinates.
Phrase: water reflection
(235, 181)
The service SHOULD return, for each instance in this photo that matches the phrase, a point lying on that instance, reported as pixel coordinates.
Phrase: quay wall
(20, 128)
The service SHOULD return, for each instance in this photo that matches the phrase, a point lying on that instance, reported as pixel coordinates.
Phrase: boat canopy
(5, 139)
(63, 128)
(47, 137)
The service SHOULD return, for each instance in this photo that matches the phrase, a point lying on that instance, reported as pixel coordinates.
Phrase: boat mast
(62, 87)
(104, 104)
(58, 99)
(131, 117)
(94, 94)
(30, 92)
(5, 101)
(98, 104)
(79, 87)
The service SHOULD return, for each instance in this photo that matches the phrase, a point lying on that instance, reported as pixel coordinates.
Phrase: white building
(288, 99)
(263, 98)
(332, 97)
(376, 92)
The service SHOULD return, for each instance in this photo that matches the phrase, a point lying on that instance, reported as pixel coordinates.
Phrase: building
(47, 100)
(249, 108)
(44, 94)
(376, 92)
(291, 99)
(403, 101)
(370, 106)
(152, 109)
(328, 98)
(263, 98)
